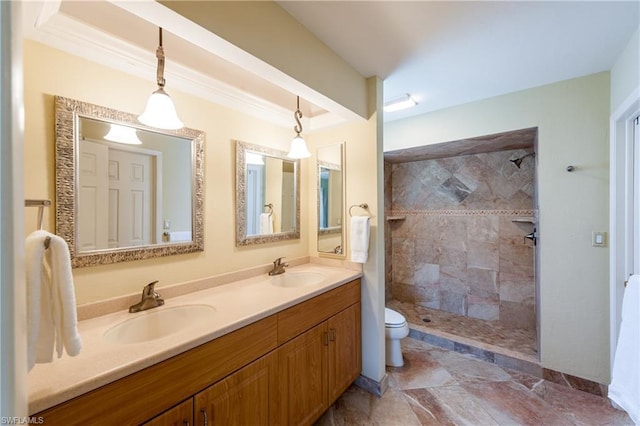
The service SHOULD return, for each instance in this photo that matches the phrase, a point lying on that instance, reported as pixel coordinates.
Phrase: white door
(92, 198)
(130, 198)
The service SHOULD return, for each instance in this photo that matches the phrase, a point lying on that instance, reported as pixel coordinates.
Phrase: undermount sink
(152, 325)
(297, 279)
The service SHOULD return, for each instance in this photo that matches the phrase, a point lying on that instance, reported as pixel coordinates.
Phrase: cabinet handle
(332, 334)
(206, 418)
(185, 422)
(325, 337)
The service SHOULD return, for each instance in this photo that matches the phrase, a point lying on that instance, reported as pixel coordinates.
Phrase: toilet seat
(393, 319)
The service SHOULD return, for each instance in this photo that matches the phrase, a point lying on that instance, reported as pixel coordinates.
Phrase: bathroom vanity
(284, 364)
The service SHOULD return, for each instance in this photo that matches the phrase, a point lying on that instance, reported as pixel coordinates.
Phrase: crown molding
(44, 23)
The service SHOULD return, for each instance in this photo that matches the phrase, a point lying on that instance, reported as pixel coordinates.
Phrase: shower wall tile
(458, 249)
(486, 308)
(453, 302)
(483, 255)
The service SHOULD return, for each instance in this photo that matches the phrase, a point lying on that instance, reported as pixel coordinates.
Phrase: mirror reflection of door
(117, 196)
(255, 197)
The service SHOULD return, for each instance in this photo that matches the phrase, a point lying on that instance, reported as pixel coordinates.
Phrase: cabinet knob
(332, 334)
(325, 337)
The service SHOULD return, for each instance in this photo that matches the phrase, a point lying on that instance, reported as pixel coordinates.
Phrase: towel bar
(41, 204)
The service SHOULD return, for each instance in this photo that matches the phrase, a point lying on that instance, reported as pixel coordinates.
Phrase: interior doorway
(624, 213)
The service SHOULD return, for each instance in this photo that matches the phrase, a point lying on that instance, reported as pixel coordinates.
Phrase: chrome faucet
(278, 267)
(150, 299)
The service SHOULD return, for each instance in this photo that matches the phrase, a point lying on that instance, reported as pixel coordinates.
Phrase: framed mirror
(331, 196)
(267, 195)
(125, 191)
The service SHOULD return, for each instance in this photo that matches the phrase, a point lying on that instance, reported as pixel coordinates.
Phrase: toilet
(395, 328)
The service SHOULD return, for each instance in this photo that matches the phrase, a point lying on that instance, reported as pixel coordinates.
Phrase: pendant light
(123, 134)
(298, 145)
(160, 112)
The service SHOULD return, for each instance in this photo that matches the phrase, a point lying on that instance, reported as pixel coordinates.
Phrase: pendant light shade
(123, 134)
(160, 111)
(298, 145)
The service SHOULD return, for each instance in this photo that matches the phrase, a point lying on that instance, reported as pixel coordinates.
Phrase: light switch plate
(598, 239)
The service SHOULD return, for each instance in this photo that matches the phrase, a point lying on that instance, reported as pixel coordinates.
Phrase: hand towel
(266, 223)
(359, 237)
(51, 306)
(175, 236)
(625, 377)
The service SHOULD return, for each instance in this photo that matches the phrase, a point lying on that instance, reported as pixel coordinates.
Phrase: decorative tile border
(460, 213)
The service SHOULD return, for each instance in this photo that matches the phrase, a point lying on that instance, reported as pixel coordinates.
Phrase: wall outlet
(598, 239)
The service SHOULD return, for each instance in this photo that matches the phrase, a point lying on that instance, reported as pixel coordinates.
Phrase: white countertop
(236, 304)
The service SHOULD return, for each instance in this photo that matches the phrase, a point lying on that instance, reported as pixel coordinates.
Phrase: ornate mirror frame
(242, 239)
(68, 113)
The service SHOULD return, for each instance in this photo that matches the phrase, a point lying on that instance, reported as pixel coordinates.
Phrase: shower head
(518, 161)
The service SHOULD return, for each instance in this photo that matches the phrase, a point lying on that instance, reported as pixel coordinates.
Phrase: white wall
(572, 119)
(625, 74)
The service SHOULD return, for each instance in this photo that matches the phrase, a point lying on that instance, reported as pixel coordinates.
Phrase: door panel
(93, 200)
(345, 361)
(244, 398)
(303, 377)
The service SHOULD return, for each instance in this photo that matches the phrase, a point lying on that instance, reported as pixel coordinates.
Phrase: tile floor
(437, 386)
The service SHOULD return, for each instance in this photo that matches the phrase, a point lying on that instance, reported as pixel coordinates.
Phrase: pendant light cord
(298, 115)
(160, 56)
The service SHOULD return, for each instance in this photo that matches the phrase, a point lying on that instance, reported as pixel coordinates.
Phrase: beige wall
(49, 72)
(268, 32)
(572, 119)
(625, 74)
(363, 159)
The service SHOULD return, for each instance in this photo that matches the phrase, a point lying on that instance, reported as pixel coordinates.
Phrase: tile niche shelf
(524, 219)
(395, 218)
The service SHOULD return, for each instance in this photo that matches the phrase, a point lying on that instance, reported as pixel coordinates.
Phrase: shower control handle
(531, 236)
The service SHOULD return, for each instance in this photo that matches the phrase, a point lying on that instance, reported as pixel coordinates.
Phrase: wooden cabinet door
(303, 377)
(345, 360)
(181, 415)
(247, 397)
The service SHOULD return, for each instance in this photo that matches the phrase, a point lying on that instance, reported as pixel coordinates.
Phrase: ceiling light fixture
(403, 102)
(123, 134)
(298, 145)
(160, 112)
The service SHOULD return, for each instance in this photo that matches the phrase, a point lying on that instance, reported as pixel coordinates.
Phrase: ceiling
(443, 53)
(447, 53)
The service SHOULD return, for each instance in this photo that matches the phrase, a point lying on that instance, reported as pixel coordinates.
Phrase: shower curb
(524, 366)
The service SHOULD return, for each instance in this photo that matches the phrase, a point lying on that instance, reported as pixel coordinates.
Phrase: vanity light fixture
(160, 111)
(123, 134)
(298, 145)
(398, 104)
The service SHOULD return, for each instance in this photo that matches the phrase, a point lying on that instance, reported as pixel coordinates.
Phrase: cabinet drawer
(142, 395)
(303, 316)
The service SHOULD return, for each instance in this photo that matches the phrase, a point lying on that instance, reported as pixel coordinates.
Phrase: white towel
(266, 223)
(625, 378)
(175, 236)
(51, 305)
(359, 238)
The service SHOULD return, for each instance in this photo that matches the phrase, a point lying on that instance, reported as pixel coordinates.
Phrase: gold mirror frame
(242, 239)
(324, 232)
(68, 112)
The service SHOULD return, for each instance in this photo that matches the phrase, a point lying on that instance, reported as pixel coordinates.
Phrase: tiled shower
(456, 227)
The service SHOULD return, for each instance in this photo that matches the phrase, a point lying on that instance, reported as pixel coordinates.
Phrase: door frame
(13, 297)
(621, 224)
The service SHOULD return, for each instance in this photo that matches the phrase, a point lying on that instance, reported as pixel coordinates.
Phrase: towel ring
(363, 206)
(270, 206)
